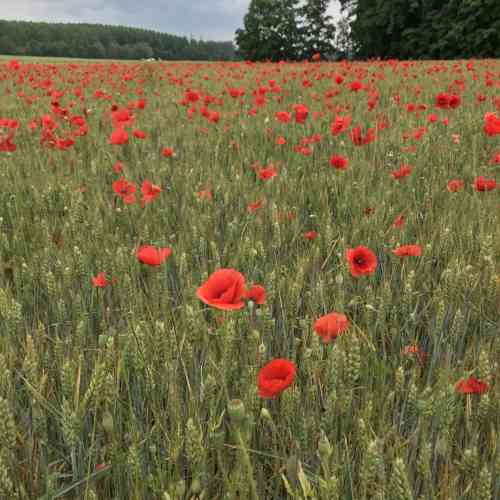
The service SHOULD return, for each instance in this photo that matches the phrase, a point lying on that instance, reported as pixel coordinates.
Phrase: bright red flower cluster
(225, 289)
(471, 386)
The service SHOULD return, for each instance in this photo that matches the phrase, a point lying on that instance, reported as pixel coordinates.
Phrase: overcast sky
(208, 19)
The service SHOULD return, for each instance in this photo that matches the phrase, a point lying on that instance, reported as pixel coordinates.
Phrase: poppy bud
(236, 410)
(325, 449)
(195, 486)
(108, 423)
(103, 340)
(180, 488)
(217, 439)
(265, 415)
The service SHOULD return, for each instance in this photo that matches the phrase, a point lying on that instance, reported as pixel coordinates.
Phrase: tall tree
(435, 29)
(318, 28)
(270, 31)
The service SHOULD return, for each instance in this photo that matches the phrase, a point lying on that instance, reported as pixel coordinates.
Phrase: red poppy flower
(399, 222)
(454, 101)
(167, 152)
(256, 294)
(205, 194)
(340, 124)
(330, 326)
(253, 207)
(495, 159)
(361, 260)
(118, 137)
(122, 118)
(139, 134)
(99, 281)
(408, 251)
(303, 150)
(283, 116)
(280, 141)
(455, 185)
(355, 86)
(149, 192)
(414, 350)
(491, 124)
(482, 184)
(311, 235)
(275, 377)
(6, 144)
(357, 136)
(403, 171)
(118, 167)
(224, 289)
(471, 386)
(268, 173)
(443, 101)
(153, 256)
(125, 190)
(192, 95)
(213, 117)
(301, 113)
(339, 162)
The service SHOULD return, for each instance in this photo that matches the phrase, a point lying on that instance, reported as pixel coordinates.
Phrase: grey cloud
(209, 19)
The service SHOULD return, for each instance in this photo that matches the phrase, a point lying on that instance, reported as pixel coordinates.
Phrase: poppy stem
(248, 464)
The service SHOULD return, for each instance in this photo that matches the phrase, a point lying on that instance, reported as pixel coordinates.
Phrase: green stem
(248, 465)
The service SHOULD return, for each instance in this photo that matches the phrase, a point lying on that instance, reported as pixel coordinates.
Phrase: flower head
(361, 260)
(149, 192)
(455, 185)
(330, 326)
(275, 377)
(224, 289)
(339, 162)
(153, 256)
(99, 281)
(471, 386)
(257, 294)
(408, 251)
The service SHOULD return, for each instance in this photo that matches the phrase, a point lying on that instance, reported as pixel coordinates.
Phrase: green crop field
(250, 281)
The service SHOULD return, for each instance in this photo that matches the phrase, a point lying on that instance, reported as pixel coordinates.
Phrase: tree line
(287, 30)
(96, 41)
(425, 29)
(402, 29)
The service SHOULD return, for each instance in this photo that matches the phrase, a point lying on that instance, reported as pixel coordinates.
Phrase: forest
(423, 29)
(96, 41)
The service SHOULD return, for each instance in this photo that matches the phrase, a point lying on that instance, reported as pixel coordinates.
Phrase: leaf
(304, 482)
(288, 488)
